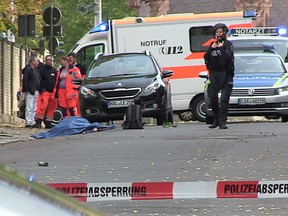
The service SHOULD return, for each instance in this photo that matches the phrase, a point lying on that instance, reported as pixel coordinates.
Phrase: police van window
(281, 46)
(86, 55)
(199, 36)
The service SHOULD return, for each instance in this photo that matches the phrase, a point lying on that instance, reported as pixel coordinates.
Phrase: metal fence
(12, 60)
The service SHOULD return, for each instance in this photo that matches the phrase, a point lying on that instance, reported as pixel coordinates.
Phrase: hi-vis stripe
(94, 192)
(280, 80)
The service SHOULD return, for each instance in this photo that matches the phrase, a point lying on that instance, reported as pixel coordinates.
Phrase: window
(281, 46)
(87, 54)
(199, 36)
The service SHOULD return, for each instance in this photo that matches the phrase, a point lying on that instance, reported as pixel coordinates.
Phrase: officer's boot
(38, 123)
(215, 123)
(222, 124)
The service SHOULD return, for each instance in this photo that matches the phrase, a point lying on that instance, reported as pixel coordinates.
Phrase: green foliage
(76, 24)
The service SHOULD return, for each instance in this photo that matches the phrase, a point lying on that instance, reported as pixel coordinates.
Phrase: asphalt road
(187, 153)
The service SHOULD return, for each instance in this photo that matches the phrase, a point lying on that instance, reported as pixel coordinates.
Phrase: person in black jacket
(73, 61)
(31, 87)
(219, 60)
(46, 102)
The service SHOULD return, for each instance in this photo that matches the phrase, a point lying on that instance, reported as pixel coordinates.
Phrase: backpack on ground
(133, 117)
(21, 105)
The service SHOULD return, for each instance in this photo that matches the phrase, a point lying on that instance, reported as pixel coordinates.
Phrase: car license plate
(119, 103)
(251, 101)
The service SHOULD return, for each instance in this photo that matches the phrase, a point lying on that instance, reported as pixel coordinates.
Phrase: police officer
(219, 60)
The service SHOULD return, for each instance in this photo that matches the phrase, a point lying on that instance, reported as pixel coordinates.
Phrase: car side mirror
(167, 73)
(77, 81)
(203, 74)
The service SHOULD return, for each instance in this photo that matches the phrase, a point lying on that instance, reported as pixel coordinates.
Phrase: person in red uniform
(65, 91)
(47, 103)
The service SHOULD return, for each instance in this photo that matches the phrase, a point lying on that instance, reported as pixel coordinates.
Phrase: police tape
(92, 192)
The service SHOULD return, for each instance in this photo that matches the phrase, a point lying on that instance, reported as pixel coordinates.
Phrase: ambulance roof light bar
(101, 27)
(257, 31)
(254, 47)
(249, 14)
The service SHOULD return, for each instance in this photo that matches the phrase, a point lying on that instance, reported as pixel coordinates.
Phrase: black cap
(220, 25)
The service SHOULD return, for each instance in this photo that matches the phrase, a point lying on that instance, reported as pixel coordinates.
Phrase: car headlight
(153, 86)
(88, 93)
(283, 89)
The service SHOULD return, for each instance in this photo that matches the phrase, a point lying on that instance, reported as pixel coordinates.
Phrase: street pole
(97, 12)
(51, 31)
(26, 40)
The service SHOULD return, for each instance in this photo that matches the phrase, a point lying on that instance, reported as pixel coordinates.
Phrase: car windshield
(119, 65)
(258, 64)
(280, 45)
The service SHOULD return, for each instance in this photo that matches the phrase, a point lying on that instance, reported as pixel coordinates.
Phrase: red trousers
(46, 106)
(67, 103)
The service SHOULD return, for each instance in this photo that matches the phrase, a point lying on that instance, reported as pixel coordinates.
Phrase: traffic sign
(57, 30)
(52, 15)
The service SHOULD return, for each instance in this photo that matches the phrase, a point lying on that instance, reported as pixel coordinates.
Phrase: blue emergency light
(249, 13)
(101, 27)
(282, 31)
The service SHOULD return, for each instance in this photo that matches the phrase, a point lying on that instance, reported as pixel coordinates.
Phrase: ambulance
(178, 42)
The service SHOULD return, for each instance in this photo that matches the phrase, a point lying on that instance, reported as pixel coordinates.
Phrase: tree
(75, 24)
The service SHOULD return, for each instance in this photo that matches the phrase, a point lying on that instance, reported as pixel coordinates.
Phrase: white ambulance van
(178, 42)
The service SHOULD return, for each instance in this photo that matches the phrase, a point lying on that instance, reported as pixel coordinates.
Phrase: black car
(114, 81)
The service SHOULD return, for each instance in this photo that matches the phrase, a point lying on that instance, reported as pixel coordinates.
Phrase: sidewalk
(17, 133)
(14, 133)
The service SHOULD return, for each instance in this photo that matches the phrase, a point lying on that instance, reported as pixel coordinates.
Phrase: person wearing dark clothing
(46, 101)
(31, 87)
(73, 61)
(219, 60)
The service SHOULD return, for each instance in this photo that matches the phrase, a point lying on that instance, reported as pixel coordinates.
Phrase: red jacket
(72, 89)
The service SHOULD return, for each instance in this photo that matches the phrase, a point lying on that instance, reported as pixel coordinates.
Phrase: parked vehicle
(260, 84)
(177, 41)
(265, 35)
(18, 196)
(113, 81)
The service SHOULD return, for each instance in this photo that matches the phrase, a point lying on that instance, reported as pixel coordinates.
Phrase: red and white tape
(91, 192)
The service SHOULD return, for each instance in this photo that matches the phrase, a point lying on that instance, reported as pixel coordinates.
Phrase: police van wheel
(198, 108)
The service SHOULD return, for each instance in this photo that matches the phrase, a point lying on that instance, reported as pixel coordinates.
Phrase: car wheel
(198, 108)
(186, 116)
(58, 116)
(209, 119)
(284, 118)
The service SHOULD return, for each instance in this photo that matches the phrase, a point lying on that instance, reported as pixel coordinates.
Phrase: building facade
(270, 12)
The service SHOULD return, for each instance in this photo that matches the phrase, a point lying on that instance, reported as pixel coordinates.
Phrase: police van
(265, 35)
(260, 84)
(178, 42)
